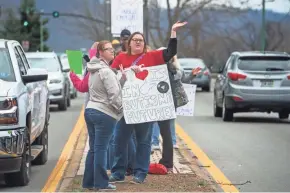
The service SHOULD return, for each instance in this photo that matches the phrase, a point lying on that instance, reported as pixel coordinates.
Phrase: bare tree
(86, 28)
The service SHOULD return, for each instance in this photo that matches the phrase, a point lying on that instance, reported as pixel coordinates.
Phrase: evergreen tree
(10, 27)
(13, 29)
(34, 20)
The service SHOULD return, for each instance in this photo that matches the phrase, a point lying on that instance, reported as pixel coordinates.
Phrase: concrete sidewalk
(187, 174)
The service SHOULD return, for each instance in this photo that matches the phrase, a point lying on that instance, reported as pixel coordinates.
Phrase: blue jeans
(143, 132)
(130, 150)
(156, 132)
(100, 129)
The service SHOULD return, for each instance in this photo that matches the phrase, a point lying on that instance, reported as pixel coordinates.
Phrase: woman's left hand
(137, 69)
(195, 71)
(178, 25)
(124, 76)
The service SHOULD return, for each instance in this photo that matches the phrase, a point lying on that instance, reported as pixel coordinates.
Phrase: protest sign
(149, 99)
(188, 109)
(75, 60)
(126, 14)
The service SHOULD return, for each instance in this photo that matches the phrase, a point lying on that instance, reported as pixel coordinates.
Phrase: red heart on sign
(142, 75)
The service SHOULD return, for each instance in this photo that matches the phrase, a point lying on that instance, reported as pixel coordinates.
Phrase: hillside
(63, 34)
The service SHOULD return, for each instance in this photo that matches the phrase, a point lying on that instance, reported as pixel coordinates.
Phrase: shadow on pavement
(261, 120)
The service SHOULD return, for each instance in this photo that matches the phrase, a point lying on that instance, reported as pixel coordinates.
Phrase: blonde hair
(175, 62)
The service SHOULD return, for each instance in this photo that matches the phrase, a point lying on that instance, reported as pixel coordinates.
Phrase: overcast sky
(277, 5)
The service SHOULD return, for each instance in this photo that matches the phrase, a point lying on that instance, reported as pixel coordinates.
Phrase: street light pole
(41, 33)
(263, 31)
(146, 20)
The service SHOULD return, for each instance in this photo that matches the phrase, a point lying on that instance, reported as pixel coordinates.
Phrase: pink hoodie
(82, 85)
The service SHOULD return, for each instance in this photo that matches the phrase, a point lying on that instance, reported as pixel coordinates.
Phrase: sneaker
(136, 180)
(115, 180)
(155, 147)
(175, 146)
(110, 187)
(169, 170)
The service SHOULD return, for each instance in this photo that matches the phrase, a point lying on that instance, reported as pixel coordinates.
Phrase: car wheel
(218, 111)
(21, 178)
(207, 89)
(63, 104)
(68, 101)
(228, 114)
(72, 96)
(283, 115)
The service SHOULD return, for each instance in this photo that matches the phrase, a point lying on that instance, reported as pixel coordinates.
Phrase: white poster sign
(149, 99)
(126, 14)
(188, 109)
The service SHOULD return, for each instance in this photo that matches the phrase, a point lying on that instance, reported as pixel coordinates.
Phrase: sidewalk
(187, 175)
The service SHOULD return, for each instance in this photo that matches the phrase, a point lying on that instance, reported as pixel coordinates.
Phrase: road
(255, 147)
(60, 128)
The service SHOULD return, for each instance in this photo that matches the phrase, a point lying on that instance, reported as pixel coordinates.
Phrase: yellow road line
(215, 172)
(58, 171)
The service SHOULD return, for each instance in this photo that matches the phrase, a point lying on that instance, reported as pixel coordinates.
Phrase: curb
(73, 162)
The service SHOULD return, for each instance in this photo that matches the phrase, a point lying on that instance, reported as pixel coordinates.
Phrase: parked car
(65, 64)
(203, 79)
(58, 83)
(24, 115)
(253, 82)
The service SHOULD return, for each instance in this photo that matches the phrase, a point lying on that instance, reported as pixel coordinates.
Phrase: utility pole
(146, 20)
(108, 19)
(263, 31)
(41, 32)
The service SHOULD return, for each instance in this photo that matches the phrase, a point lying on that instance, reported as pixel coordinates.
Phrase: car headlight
(9, 111)
(55, 81)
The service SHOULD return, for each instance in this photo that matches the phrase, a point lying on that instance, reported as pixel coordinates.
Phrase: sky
(282, 6)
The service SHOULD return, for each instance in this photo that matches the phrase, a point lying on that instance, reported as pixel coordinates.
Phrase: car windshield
(264, 63)
(191, 63)
(50, 64)
(6, 68)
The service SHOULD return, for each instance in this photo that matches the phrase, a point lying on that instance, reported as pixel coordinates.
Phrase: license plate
(267, 83)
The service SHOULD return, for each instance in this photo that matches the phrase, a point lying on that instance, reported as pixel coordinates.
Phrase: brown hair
(148, 48)
(130, 39)
(101, 46)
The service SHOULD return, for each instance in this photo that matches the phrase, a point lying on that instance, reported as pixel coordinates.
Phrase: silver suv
(58, 85)
(253, 82)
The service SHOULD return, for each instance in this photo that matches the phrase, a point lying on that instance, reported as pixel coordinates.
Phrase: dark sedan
(202, 79)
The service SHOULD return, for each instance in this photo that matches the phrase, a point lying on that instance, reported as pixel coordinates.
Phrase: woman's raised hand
(178, 25)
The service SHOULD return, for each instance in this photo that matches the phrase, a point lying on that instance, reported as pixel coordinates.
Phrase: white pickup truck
(24, 115)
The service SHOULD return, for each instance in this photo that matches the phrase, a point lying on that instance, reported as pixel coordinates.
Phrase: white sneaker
(155, 147)
(175, 146)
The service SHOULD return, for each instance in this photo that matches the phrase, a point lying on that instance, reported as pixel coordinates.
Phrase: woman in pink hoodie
(82, 84)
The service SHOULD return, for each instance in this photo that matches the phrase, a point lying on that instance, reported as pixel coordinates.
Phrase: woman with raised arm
(136, 57)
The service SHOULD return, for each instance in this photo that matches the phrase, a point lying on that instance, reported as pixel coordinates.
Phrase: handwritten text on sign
(126, 14)
(188, 109)
(150, 99)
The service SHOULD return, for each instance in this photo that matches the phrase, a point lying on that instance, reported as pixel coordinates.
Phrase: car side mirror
(35, 75)
(66, 70)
